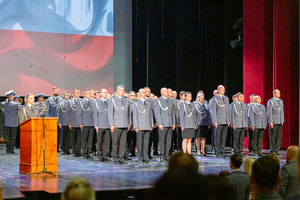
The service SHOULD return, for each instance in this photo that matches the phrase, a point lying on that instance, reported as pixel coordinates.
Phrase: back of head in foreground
(78, 189)
(265, 175)
(183, 161)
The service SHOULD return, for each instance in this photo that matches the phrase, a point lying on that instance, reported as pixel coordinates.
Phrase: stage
(109, 180)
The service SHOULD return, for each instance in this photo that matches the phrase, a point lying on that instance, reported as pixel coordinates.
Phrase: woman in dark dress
(203, 123)
(188, 123)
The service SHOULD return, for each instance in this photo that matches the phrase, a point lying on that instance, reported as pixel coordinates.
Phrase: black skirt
(201, 132)
(188, 133)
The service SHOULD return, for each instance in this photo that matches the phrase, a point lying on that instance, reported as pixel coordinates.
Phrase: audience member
(264, 178)
(275, 157)
(219, 189)
(239, 180)
(247, 165)
(289, 185)
(184, 161)
(78, 189)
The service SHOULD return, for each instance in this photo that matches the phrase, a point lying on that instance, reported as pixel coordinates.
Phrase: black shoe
(140, 161)
(224, 155)
(129, 154)
(127, 158)
(122, 162)
(150, 157)
(63, 153)
(163, 160)
(155, 153)
(68, 153)
(12, 152)
(74, 155)
(146, 161)
(133, 155)
(85, 157)
(218, 155)
(58, 150)
(259, 153)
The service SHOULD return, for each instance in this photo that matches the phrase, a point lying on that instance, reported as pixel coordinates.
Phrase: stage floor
(102, 176)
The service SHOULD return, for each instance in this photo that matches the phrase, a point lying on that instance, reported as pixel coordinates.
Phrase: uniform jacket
(275, 111)
(26, 113)
(257, 116)
(142, 115)
(85, 113)
(289, 185)
(101, 114)
(63, 113)
(74, 104)
(51, 106)
(239, 115)
(164, 112)
(11, 110)
(119, 114)
(241, 184)
(203, 115)
(187, 115)
(220, 110)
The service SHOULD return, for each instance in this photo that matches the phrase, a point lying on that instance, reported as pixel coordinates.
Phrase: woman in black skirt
(188, 122)
(203, 123)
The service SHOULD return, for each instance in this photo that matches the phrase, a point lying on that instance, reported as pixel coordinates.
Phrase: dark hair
(188, 93)
(223, 173)
(233, 96)
(181, 93)
(265, 171)
(76, 89)
(183, 161)
(236, 160)
(180, 184)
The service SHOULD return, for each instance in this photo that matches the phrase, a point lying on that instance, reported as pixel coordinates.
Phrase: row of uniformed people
(240, 116)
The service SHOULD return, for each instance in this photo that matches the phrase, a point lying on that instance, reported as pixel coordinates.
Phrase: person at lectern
(29, 110)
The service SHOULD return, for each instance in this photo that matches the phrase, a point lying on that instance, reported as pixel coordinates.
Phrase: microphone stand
(45, 169)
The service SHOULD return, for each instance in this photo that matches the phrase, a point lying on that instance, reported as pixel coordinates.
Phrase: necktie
(122, 101)
(56, 101)
(167, 100)
(190, 105)
(105, 102)
(222, 98)
(76, 101)
(32, 108)
(145, 103)
(88, 102)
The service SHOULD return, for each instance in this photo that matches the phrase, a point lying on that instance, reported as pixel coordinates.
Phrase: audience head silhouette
(78, 189)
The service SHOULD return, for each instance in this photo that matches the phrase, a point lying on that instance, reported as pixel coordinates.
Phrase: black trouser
(238, 139)
(118, 144)
(87, 140)
(130, 143)
(17, 143)
(220, 139)
(11, 133)
(250, 132)
(165, 137)
(173, 141)
(76, 140)
(258, 135)
(142, 145)
(58, 138)
(153, 139)
(213, 133)
(179, 138)
(94, 149)
(231, 138)
(275, 137)
(65, 135)
(103, 141)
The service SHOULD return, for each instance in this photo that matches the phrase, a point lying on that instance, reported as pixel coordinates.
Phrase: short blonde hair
(79, 189)
(247, 165)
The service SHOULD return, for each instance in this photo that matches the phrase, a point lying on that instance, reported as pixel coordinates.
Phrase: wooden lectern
(31, 145)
